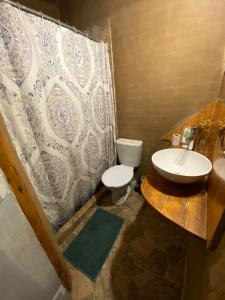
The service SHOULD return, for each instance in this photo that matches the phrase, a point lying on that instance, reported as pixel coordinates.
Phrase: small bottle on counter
(176, 140)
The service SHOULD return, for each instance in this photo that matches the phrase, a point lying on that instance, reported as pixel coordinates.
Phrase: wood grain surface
(185, 205)
(199, 208)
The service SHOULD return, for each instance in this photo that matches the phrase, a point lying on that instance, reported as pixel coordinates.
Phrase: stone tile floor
(147, 259)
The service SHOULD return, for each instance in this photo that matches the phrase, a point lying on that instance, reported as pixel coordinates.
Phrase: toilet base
(120, 195)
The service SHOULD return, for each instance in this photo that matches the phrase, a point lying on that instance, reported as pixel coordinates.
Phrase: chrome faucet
(190, 143)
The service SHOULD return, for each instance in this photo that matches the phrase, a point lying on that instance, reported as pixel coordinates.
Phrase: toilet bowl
(118, 178)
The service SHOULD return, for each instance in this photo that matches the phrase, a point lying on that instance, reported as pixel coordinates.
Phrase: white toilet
(117, 178)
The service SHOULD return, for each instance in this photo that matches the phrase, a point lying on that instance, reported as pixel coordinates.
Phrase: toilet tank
(129, 152)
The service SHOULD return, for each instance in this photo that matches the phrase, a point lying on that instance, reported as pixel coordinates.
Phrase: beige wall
(48, 7)
(168, 57)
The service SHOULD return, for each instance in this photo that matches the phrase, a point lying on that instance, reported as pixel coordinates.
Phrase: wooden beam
(29, 202)
(222, 88)
(216, 184)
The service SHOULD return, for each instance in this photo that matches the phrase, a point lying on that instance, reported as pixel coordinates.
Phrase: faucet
(190, 143)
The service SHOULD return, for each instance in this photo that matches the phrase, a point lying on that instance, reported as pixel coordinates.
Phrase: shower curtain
(57, 102)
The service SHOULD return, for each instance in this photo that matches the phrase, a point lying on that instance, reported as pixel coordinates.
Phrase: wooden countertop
(186, 205)
(200, 207)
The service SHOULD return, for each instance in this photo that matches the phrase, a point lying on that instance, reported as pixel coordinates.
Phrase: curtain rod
(40, 14)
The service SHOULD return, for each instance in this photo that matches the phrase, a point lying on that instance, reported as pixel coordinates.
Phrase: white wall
(25, 270)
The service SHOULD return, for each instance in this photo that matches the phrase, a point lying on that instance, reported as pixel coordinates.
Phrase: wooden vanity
(199, 207)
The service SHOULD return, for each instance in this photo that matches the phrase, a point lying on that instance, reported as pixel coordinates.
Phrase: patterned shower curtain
(57, 102)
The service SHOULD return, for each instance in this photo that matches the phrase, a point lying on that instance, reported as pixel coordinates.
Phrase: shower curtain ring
(18, 5)
(41, 15)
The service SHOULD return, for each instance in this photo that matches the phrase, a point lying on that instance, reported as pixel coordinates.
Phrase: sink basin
(180, 165)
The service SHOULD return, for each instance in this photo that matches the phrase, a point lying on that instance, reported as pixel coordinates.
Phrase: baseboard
(61, 294)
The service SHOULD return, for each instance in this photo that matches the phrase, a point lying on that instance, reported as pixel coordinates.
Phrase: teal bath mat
(89, 250)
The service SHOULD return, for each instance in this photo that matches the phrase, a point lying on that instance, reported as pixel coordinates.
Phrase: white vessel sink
(180, 165)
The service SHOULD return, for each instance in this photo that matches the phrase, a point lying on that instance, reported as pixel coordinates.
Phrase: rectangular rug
(90, 248)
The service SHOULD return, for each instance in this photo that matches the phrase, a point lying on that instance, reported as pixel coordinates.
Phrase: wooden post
(29, 202)
(222, 88)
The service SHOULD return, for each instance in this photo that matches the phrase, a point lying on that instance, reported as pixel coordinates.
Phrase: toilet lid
(117, 176)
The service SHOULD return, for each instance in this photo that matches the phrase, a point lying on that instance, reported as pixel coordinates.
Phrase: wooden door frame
(29, 203)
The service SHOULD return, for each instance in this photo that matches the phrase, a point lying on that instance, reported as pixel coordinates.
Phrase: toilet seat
(117, 176)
